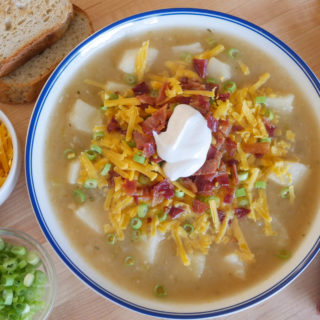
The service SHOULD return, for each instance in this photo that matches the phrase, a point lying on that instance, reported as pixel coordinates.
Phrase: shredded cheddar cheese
(6, 153)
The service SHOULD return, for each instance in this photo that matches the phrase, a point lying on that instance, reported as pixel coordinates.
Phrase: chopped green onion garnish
(162, 216)
(241, 192)
(260, 185)
(7, 295)
(179, 193)
(105, 169)
(96, 148)
(79, 195)
(28, 279)
(136, 235)
(211, 80)
(98, 135)
(18, 250)
(243, 175)
(261, 99)
(243, 202)
(91, 154)
(90, 184)
(130, 79)
(160, 291)
(111, 238)
(230, 86)
(131, 144)
(189, 228)
(113, 96)
(234, 53)
(142, 210)
(69, 154)
(33, 258)
(285, 193)
(283, 254)
(136, 223)
(129, 261)
(265, 139)
(104, 108)
(269, 114)
(143, 179)
(139, 158)
(207, 199)
(186, 56)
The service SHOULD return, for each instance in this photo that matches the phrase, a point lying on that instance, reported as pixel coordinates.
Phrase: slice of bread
(24, 84)
(27, 27)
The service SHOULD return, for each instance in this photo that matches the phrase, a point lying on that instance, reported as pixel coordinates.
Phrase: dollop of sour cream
(185, 143)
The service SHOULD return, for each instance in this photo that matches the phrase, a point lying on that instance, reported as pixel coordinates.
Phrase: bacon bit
(231, 147)
(223, 96)
(181, 99)
(113, 125)
(211, 165)
(220, 138)
(200, 65)
(224, 127)
(235, 173)
(174, 212)
(130, 187)
(145, 143)
(228, 198)
(146, 99)
(199, 206)
(156, 159)
(136, 199)
(163, 189)
(146, 193)
(211, 152)
(112, 174)
(212, 123)
(210, 86)
(236, 128)
(241, 212)
(270, 127)
(200, 103)
(189, 184)
(156, 122)
(140, 89)
(222, 180)
(149, 219)
(162, 93)
(256, 148)
(259, 155)
(204, 185)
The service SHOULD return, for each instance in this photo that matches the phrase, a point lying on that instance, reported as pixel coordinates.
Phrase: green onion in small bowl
(29, 275)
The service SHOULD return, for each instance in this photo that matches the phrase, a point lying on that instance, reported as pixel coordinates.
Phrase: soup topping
(6, 153)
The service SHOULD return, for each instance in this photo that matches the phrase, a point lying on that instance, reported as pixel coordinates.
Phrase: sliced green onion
(139, 158)
(143, 179)
(260, 185)
(96, 148)
(283, 254)
(186, 56)
(98, 135)
(28, 279)
(8, 280)
(33, 258)
(105, 169)
(19, 250)
(261, 99)
(160, 291)
(111, 238)
(230, 86)
(104, 108)
(179, 194)
(91, 154)
(211, 80)
(234, 53)
(162, 216)
(131, 144)
(243, 175)
(269, 114)
(40, 277)
(90, 184)
(207, 199)
(10, 264)
(130, 79)
(79, 195)
(241, 192)
(129, 261)
(69, 154)
(284, 193)
(136, 235)
(189, 228)
(265, 139)
(243, 202)
(7, 295)
(135, 223)
(22, 264)
(142, 210)
(113, 96)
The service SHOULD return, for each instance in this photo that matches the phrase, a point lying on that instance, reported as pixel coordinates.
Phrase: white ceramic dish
(35, 161)
(11, 181)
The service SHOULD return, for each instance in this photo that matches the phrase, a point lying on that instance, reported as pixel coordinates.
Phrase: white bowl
(35, 158)
(11, 181)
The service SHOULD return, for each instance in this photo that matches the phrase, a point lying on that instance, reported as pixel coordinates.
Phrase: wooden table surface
(297, 23)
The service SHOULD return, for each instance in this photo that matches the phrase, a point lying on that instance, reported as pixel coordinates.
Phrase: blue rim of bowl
(33, 196)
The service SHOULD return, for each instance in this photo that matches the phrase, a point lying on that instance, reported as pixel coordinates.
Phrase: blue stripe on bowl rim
(33, 196)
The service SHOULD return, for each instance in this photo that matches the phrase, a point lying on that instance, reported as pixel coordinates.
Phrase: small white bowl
(9, 184)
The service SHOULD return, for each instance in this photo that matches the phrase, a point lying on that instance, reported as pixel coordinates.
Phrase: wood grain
(297, 23)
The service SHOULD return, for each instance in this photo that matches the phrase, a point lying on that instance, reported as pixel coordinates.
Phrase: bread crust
(19, 93)
(36, 46)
